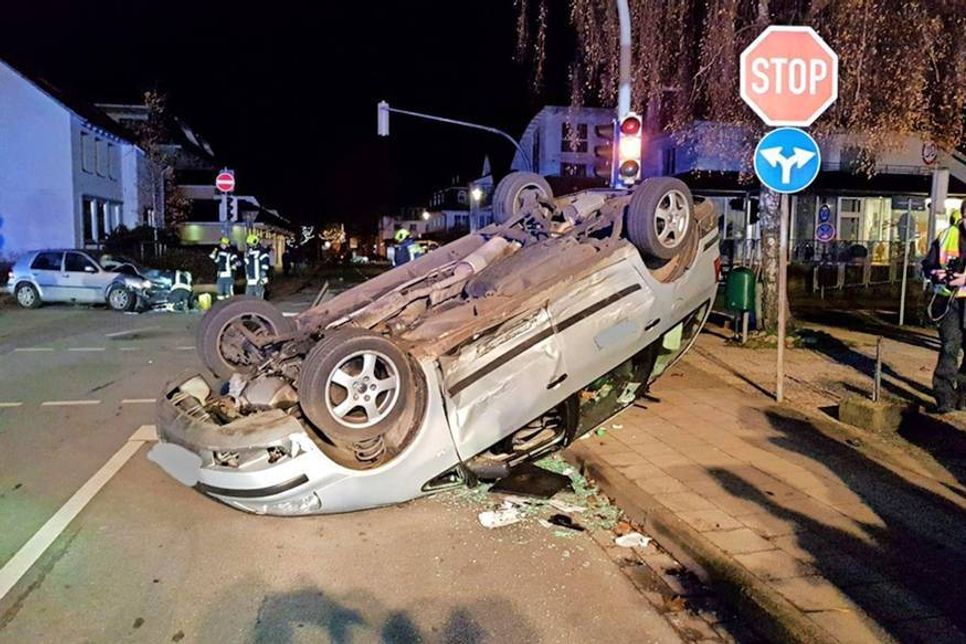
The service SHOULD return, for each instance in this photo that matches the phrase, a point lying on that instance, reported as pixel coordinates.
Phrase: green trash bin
(740, 290)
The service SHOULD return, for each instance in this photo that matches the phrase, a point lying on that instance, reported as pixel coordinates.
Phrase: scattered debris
(601, 431)
(563, 506)
(633, 540)
(530, 480)
(565, 521)
(508, 514)
(616, 426)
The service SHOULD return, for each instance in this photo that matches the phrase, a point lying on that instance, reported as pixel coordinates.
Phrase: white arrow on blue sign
(787, 160)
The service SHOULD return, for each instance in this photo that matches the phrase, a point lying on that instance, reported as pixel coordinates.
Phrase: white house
(68, 176)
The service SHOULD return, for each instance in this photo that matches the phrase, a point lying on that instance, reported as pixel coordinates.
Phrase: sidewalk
(818, 532)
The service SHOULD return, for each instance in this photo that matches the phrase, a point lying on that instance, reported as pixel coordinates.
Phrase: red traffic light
(631, 126)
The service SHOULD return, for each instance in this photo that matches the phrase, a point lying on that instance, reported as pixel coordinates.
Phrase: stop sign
(225, 181)
(789, 76)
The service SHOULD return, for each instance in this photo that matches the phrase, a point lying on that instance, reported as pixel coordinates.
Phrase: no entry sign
(225, 181)
(789, 76)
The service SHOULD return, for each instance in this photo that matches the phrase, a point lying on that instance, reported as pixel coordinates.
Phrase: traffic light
(619, 159)
(604, 154)
(630, 148)
(231, 208)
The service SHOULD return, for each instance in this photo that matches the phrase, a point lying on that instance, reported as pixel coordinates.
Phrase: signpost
(789, 76)
(225, 184)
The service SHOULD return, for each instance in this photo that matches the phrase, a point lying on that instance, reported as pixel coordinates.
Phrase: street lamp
(476, 193)
(426, 215)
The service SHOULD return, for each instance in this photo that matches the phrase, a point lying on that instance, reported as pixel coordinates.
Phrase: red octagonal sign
(789, 76)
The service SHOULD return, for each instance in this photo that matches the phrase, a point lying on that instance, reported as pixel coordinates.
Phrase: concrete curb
(773, 616)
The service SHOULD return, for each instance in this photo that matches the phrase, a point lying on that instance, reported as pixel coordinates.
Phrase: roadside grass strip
(35, 547)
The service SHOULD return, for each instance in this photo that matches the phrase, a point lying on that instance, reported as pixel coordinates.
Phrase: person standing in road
(406, 248)
(226, 261)
(257, 263)
(944, 265)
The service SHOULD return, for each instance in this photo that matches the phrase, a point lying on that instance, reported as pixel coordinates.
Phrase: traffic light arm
(475, 126)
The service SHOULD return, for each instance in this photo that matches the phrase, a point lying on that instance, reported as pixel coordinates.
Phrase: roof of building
(81, 108)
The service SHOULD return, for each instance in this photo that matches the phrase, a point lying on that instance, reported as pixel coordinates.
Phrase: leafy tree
(154, 137)
(902, 72)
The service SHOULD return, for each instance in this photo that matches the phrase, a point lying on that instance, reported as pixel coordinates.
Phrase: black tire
(27, 295)
(121, 299)
(321, 396)
(508, 193)
(256, 314)
(660, 217)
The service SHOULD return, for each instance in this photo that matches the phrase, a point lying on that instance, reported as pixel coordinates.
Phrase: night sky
(286, 92)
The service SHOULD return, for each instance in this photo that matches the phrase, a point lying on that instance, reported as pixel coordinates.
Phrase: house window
(573, 170)
(88, 207)
(573, 138)
(111, 164)
(87, 152)
(850, 219)
(100, 154)
(670, 161)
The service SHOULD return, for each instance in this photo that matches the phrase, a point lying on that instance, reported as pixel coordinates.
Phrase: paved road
(150, 560)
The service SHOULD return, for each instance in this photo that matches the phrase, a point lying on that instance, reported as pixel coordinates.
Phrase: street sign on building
(225, 181)
(787, 160)
(789, 76)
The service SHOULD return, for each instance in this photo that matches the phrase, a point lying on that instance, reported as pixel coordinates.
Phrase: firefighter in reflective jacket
(944, 265)
(181, 296)
(406, 248)
(256, 268)
(226, 261)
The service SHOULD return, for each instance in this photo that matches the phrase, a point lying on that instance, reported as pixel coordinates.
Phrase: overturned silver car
(495, 349)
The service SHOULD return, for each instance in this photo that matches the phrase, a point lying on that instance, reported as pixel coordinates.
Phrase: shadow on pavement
(906, 563)
(864, 322)
(944, 441)
(360, 617)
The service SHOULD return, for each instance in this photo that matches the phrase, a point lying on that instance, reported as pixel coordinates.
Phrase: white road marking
(185, 348)
(87, 349)
(31, 349)
(9, 404)
(139, 401)
(130, 348)
(118, 334)
(27, 556)
(67, 403)
(289, 314)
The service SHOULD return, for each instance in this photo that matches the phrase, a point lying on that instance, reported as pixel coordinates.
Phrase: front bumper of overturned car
(305, 480)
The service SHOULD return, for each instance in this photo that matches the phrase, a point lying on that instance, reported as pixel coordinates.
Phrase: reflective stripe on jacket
(949, 251)
(225, 261)
(182, 280)
(257, 263)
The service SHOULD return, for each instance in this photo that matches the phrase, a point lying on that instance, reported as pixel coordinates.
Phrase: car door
(46, 269)
(82, 279)
(501, 380)
(605, 318)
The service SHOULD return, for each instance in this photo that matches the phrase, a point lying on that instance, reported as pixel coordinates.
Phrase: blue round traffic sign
(787, 160)
(824, 214)
(825, 232)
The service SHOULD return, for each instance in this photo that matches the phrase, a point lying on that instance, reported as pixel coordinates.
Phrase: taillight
(717, 269)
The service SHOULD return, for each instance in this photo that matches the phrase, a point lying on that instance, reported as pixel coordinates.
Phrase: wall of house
(97, 171)
(36, 193)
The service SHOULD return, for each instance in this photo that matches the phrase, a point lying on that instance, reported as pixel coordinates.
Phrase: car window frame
(48, 252)
(87, 258)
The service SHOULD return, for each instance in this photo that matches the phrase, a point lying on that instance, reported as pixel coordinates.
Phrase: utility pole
(624, 88)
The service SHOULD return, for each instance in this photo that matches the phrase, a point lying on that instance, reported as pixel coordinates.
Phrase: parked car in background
(86, 277)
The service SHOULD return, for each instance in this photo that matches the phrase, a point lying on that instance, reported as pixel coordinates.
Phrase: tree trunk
(769, 221)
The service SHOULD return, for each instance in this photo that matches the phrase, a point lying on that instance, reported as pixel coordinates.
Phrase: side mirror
(89, 269)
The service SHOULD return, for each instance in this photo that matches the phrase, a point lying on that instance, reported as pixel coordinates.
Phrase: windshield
(119, 264)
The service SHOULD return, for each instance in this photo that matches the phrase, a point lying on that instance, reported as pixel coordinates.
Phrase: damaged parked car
(88, 277)
(496, 349)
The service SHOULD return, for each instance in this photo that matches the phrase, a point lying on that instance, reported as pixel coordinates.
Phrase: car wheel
(508, 197)
(356, 385)
(660, 217)
(121, 299)
(27, 296)
(229, 334)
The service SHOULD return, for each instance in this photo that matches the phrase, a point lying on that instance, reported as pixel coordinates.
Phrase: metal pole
(905, 265)
(782, 299)
(624, 88)
(475, 126)
(877, 383)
